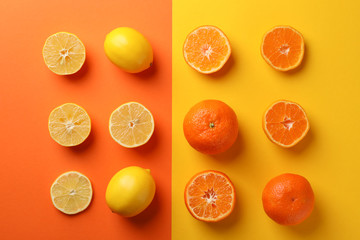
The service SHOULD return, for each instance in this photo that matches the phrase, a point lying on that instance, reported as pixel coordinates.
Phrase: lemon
(71, 192)
(130, 191)
(131, 125)
(128, 49)
(64, 53)
(69, 124)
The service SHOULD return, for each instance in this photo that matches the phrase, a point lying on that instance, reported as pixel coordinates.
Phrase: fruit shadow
(224, 70)
(148, 147)
(304, 143)
(232, 153)
(309, 225)
(147, 215)
(144, 75)
(148, 73)
(228, 222)
(89, 141)
(81, 74)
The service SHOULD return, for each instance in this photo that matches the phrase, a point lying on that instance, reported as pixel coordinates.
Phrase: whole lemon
(130, 191)
(128, 49)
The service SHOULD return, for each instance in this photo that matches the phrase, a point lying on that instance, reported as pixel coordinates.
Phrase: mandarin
(288, 199)
(210, 196)
(283, 48)
(211, 127)
(206, 49)
(285, 123)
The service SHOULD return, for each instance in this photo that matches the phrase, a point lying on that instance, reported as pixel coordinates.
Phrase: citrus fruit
(130, 191)
(285, 123)
(288, 199)
(283, 48)
(210, 196)
(71, 192)
(206, 49)
(128, 49)
(211, 127)
(131, 125)
(69, 124)
(64, 53)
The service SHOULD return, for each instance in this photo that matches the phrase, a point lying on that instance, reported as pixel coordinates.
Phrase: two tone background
(326, 84)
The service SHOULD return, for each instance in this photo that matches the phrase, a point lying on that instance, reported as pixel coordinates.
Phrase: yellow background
(327, 86)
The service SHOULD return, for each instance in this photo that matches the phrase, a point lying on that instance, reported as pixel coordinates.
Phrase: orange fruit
(206, 49)
(210, 196)
(211, 127)
(283, 48)
(285, 123)
(288, 199)
(64, 53)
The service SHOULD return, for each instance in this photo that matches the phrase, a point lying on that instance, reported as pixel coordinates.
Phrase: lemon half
(64, 53)
(71, 192)
(131, 125)
(69, 124)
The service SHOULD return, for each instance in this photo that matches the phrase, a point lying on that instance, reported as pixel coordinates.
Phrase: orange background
(31, 160)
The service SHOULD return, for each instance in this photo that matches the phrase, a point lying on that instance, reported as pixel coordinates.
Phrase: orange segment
(210, 196)
(285, 123)
(283, 48)
(206, 49)
(64, 53)
(131, 125)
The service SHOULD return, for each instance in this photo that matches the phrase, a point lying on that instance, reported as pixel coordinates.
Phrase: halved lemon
(131, 125)
(64, 53)
(69, 124)
(71, 192)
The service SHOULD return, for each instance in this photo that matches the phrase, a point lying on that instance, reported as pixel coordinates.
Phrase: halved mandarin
(210, 196)
(285, 123)
(283, 48)
(206, 49)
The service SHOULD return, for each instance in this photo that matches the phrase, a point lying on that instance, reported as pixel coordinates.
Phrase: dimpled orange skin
(288, 199)
(211, 127)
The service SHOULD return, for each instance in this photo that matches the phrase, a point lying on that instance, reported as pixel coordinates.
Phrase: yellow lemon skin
(128, 49)
(130, 191)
